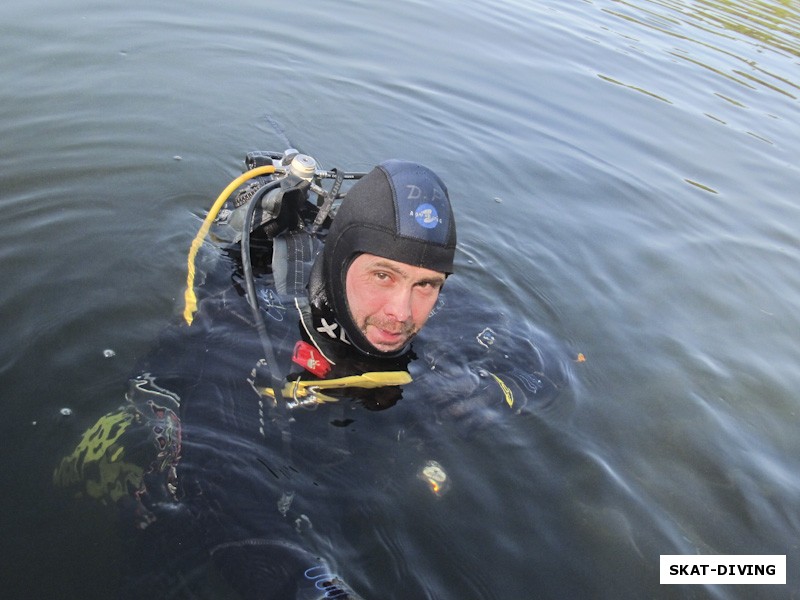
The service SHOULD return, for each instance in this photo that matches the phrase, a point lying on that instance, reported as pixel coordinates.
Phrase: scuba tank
(273, 195)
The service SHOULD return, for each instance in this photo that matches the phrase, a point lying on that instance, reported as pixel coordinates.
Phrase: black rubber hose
(250, 286)
(261, 326)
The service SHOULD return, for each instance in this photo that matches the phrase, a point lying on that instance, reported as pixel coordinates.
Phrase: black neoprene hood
(401, 211)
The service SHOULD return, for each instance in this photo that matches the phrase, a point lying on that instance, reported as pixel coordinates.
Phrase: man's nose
(398, 305)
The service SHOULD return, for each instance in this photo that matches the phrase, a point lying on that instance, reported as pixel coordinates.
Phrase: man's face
(390, 301)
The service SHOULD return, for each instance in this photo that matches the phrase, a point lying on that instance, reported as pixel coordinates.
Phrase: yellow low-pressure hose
(190, 305)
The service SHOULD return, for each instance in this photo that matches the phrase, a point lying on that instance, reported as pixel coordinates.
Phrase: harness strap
(327, 205)
(292, 256)
(305, 393)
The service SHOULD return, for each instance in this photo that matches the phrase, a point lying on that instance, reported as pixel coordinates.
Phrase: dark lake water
(626, 180)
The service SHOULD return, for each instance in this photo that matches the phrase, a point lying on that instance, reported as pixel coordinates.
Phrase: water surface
(625, 176)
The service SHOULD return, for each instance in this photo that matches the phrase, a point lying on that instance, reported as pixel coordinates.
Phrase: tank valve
(303, 166)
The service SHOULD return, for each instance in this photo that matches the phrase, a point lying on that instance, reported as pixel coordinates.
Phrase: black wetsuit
(262, 494)
(262, 490)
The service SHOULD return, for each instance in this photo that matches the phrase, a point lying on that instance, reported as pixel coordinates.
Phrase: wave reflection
(716, 32)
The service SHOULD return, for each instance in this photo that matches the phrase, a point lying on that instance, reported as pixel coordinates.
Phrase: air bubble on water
(109, 353)
(66, 411)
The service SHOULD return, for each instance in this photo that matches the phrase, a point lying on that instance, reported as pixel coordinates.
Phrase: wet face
(390, 301)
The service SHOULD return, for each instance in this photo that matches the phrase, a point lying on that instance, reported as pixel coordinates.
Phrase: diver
(234, 446)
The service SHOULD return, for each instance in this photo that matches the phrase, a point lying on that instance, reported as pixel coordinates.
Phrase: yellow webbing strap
(509, 395)
(189, 296)
(370, 380)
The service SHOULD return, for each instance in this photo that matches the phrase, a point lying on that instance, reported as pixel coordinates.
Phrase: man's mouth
(389, 337)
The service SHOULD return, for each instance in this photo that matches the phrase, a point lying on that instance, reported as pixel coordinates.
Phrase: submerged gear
(129, 455)
(434, 475)
(401, 211)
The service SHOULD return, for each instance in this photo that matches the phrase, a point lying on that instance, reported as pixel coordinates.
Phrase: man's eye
(429, 286)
